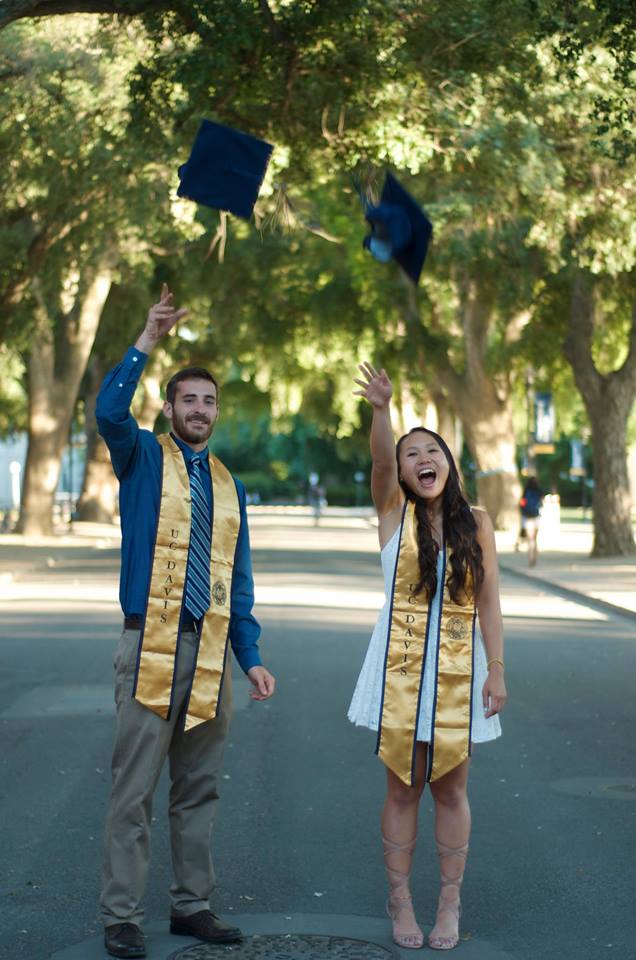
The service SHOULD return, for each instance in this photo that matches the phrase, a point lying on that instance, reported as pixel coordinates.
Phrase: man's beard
(184, 431)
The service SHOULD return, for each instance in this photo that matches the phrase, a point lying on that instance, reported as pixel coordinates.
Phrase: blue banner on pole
(577, 464)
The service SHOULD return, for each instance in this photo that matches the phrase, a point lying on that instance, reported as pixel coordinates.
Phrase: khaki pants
(143, 741)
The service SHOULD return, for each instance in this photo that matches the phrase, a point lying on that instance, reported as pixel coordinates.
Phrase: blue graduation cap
(400, 230)
(225, 169)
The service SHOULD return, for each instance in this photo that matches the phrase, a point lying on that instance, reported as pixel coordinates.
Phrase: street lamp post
(15, 469)
(359, 480)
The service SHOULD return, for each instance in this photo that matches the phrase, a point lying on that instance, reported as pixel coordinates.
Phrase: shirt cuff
(248, 658)
(136, 357)
(130, 369)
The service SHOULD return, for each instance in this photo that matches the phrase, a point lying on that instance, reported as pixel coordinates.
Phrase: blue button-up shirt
(136, 459)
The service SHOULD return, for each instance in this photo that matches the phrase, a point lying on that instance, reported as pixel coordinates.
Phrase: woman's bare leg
(399, 833)
(533, 529)
(452, 833)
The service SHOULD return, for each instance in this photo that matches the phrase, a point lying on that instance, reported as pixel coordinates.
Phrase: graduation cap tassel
(220, 238)
(364, 184)
(287, 214)
(284, 213)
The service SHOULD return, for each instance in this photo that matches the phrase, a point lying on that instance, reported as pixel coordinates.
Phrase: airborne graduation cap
(400, 230)
(225, 169)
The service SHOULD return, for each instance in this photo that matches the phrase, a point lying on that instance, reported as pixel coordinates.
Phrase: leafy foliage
(512, 122)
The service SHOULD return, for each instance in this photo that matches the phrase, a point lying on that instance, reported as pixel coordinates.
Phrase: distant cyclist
(530, 507)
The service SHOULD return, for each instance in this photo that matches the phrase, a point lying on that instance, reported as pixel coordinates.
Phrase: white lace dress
(365, 705)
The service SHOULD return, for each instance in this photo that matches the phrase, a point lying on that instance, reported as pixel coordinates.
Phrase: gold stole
(157, 657)
(410, 625)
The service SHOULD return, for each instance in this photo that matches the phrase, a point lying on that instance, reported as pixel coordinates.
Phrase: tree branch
(627, 373)
(474, 323)
(292, 70)
(432, 347)
(21, 9)
(38, 248)
(13, 74)
(577, 345)
(278, 35)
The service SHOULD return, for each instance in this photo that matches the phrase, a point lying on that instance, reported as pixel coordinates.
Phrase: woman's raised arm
(385, 489)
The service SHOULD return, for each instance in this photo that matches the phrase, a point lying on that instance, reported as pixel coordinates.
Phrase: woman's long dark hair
(460, 533)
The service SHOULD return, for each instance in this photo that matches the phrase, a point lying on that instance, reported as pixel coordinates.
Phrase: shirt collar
(189, 453)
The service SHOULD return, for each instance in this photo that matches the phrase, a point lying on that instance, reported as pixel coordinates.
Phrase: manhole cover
(290, 946)
(622, 787)
(618, 788)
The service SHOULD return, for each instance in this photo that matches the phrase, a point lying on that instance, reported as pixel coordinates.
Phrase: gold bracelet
(495, 660)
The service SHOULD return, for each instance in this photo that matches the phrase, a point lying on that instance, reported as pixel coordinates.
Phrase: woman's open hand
(376, 386)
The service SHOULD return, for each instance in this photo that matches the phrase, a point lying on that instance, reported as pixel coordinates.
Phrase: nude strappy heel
(451, 905)
(399, 896)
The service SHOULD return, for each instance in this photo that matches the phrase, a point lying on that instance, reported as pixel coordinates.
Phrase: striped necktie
(197, 589)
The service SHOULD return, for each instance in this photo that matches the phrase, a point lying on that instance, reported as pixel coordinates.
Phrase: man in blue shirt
(183, 528)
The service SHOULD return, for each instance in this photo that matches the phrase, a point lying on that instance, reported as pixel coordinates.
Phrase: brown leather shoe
(205, 926)
(124, 940)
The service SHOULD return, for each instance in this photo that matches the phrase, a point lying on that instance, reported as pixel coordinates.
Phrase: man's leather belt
(135, 622)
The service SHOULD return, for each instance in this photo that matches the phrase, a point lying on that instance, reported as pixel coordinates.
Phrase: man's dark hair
(190, 373)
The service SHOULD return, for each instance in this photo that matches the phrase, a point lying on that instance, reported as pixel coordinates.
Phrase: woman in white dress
(434, 694)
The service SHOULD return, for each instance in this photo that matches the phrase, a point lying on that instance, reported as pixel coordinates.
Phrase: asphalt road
(551, 868)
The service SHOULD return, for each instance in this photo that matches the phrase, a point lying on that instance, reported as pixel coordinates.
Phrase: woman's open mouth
(427, 476)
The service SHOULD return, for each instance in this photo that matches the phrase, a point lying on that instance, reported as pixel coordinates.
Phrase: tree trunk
(47, 436)
(489, 434)
(608, 399)
(447, 426)
(613, 535)
(98, 499)
(54, 370)
(484, 408)
(152, 379)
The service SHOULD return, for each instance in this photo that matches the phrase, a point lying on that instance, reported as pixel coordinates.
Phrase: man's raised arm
(116, 424)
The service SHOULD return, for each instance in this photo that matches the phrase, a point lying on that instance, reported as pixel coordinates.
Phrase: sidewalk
(565, 564)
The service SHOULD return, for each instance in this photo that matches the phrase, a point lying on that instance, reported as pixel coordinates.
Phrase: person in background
(530, 510)
(315, 496)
